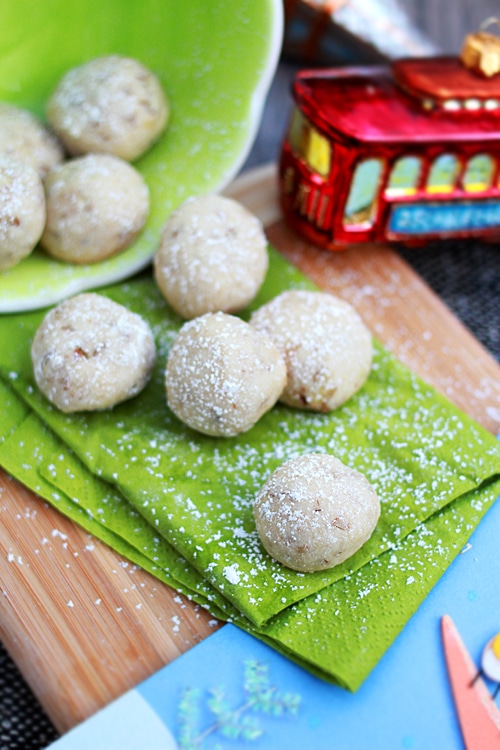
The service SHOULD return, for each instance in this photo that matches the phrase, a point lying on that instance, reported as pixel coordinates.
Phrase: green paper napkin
(32, 453)
(197, 492)
(339, 634)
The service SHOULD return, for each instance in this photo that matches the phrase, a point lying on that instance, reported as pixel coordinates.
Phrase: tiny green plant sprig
(233, 723)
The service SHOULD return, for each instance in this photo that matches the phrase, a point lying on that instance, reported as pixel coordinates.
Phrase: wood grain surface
(82, 623)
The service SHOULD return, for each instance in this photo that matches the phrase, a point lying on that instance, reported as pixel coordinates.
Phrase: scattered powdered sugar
(232, 573)
(197, 493)
(177, 623)
(213, 527)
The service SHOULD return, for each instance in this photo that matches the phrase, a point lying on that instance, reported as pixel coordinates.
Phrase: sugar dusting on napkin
(196, 493)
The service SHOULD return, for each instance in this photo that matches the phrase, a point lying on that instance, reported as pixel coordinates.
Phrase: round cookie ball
(326, 346)
(111, 105)
(91, 353)
(212, 257)
(96, 206)
(222, 375)
(314, 512)
(24, 138)
(22, 211)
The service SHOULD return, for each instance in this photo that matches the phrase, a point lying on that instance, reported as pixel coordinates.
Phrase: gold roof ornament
(481, 50)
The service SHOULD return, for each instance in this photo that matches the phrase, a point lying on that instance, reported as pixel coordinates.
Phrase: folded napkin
(339, 634)
(432, 466)
(35, 455)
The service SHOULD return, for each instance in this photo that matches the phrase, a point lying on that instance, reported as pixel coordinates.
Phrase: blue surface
(405, 703)
(445, 216)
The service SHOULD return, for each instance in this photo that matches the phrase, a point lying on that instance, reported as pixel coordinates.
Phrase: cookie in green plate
(215, 60)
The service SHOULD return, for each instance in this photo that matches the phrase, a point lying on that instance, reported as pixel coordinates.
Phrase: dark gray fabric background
(465, 275)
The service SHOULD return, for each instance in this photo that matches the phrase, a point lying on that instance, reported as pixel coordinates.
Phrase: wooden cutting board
(82, 624)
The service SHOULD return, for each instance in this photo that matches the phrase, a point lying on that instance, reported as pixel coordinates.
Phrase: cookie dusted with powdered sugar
(222, 375)
(91, 353)
(212, 257)
(325, 343)
(112, 104)
(22, 211)
(96, 206)
(314, 512)
(24, 138)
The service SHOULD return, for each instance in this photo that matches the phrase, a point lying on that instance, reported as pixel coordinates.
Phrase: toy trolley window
(359, 212)
(404, 177)
(478, 173)
(443, 174)
(308, 143)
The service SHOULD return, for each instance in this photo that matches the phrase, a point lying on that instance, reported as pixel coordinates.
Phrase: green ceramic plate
(215, 59)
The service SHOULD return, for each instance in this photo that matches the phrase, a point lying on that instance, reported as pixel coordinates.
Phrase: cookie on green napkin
(340, 634)
(419, 452)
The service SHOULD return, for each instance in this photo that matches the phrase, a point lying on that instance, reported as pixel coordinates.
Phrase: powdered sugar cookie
(314, 512)
(91, 353)
(212, 257)
(222, 375)
(96, 206)
(326, 346)
(22, 211)
(112, 105)
(24, 138)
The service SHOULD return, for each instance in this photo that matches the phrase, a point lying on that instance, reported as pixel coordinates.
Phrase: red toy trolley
(404, 153)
